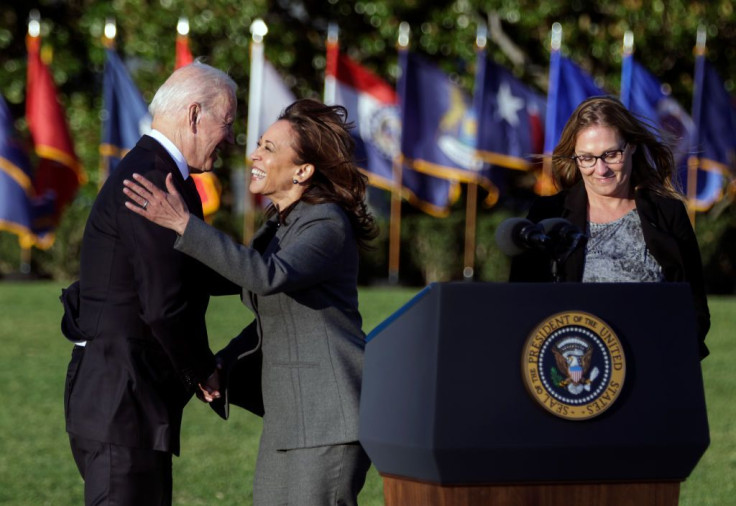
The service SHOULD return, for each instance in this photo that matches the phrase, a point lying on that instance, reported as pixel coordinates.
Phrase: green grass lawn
(216, 465)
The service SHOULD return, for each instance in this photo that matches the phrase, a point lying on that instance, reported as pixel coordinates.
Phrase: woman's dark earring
(295, 181)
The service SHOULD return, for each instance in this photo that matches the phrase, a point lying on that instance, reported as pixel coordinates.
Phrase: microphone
(562, 232)
(517, 235)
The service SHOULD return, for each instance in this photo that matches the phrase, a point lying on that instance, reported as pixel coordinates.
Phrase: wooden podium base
(403, 492)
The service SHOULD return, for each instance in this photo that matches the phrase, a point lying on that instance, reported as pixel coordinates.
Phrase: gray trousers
(320, 476)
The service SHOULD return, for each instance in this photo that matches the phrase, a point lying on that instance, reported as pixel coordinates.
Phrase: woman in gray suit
(299, 276)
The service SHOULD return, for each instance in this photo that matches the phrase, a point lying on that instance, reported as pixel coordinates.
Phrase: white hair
(196, 82)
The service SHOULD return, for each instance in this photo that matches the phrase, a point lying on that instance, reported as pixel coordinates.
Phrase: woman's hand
(166, 209)
(210, 390)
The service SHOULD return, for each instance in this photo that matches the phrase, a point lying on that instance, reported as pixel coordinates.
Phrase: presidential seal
(573, 365)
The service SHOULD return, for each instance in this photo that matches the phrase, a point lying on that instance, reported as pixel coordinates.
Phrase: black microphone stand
(559, 251)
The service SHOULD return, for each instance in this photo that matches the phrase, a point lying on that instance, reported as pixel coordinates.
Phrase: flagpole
(26, 242)
(25, 260)
(693, 160)
(333, 45)
(545, 185)
(394, 241)
(108, 41)
(34, 31)
(626, 68)
(471, 212)
(471, 203)
(259, 29)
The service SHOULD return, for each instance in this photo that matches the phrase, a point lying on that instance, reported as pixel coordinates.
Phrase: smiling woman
(607, 177)
(275, 173)
(299, 276)
(616, 184)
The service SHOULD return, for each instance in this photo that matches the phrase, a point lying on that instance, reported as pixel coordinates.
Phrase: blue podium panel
(444, 399)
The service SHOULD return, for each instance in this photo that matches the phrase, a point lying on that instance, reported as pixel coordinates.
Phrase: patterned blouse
(616, 252)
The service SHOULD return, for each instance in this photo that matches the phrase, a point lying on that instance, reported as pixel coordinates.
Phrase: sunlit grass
(218, 457)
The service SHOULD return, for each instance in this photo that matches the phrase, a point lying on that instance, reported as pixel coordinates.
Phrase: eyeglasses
(613, 157)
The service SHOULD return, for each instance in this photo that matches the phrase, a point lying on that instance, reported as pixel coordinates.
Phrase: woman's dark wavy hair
(652, 163)
(322, 138)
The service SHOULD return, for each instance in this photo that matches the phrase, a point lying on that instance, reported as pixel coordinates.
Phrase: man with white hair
(137, 312)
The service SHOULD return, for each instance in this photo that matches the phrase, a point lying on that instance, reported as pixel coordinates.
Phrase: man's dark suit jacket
(668, 235)
(142, 306)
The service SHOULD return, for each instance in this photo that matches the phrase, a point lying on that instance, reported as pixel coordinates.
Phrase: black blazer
(667, 232)
(142, 305)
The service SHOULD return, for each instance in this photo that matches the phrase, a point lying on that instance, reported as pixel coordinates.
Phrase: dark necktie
(192, 198)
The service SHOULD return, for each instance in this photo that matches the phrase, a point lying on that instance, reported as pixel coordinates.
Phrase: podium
(448, 417)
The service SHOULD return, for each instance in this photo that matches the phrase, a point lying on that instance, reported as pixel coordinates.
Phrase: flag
(438, 130)
(183, 54)
(21, 212)
(372, 105)
(269, 96)
(717, 125)
(438, 122)
(58, 168)
(209, 189)
(569, 85)
(125, 116)
(714, 144)
(510, 119)
(643, 95)
(511, 116)
(275, 98)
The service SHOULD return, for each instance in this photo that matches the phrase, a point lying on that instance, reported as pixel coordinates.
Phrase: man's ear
(193, 113)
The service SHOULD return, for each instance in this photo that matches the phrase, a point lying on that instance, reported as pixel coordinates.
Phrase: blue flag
(125, 113)
(569, 85)
(21, 212)
(713, 151)
(438, 129)
(643, 95)
(510, 115)
(510, 119)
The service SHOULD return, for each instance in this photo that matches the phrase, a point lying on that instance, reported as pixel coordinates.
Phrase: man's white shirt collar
(170, 148)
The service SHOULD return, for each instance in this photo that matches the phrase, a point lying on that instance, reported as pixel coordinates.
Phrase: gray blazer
(303, 291)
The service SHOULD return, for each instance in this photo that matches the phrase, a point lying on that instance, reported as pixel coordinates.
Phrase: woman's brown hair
(652, 162)
(322, 138)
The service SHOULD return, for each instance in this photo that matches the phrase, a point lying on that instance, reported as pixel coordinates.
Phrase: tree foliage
(444, 30)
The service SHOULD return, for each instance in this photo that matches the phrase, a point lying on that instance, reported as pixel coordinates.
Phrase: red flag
(183, 55)
(209, 189)
(59, 170)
